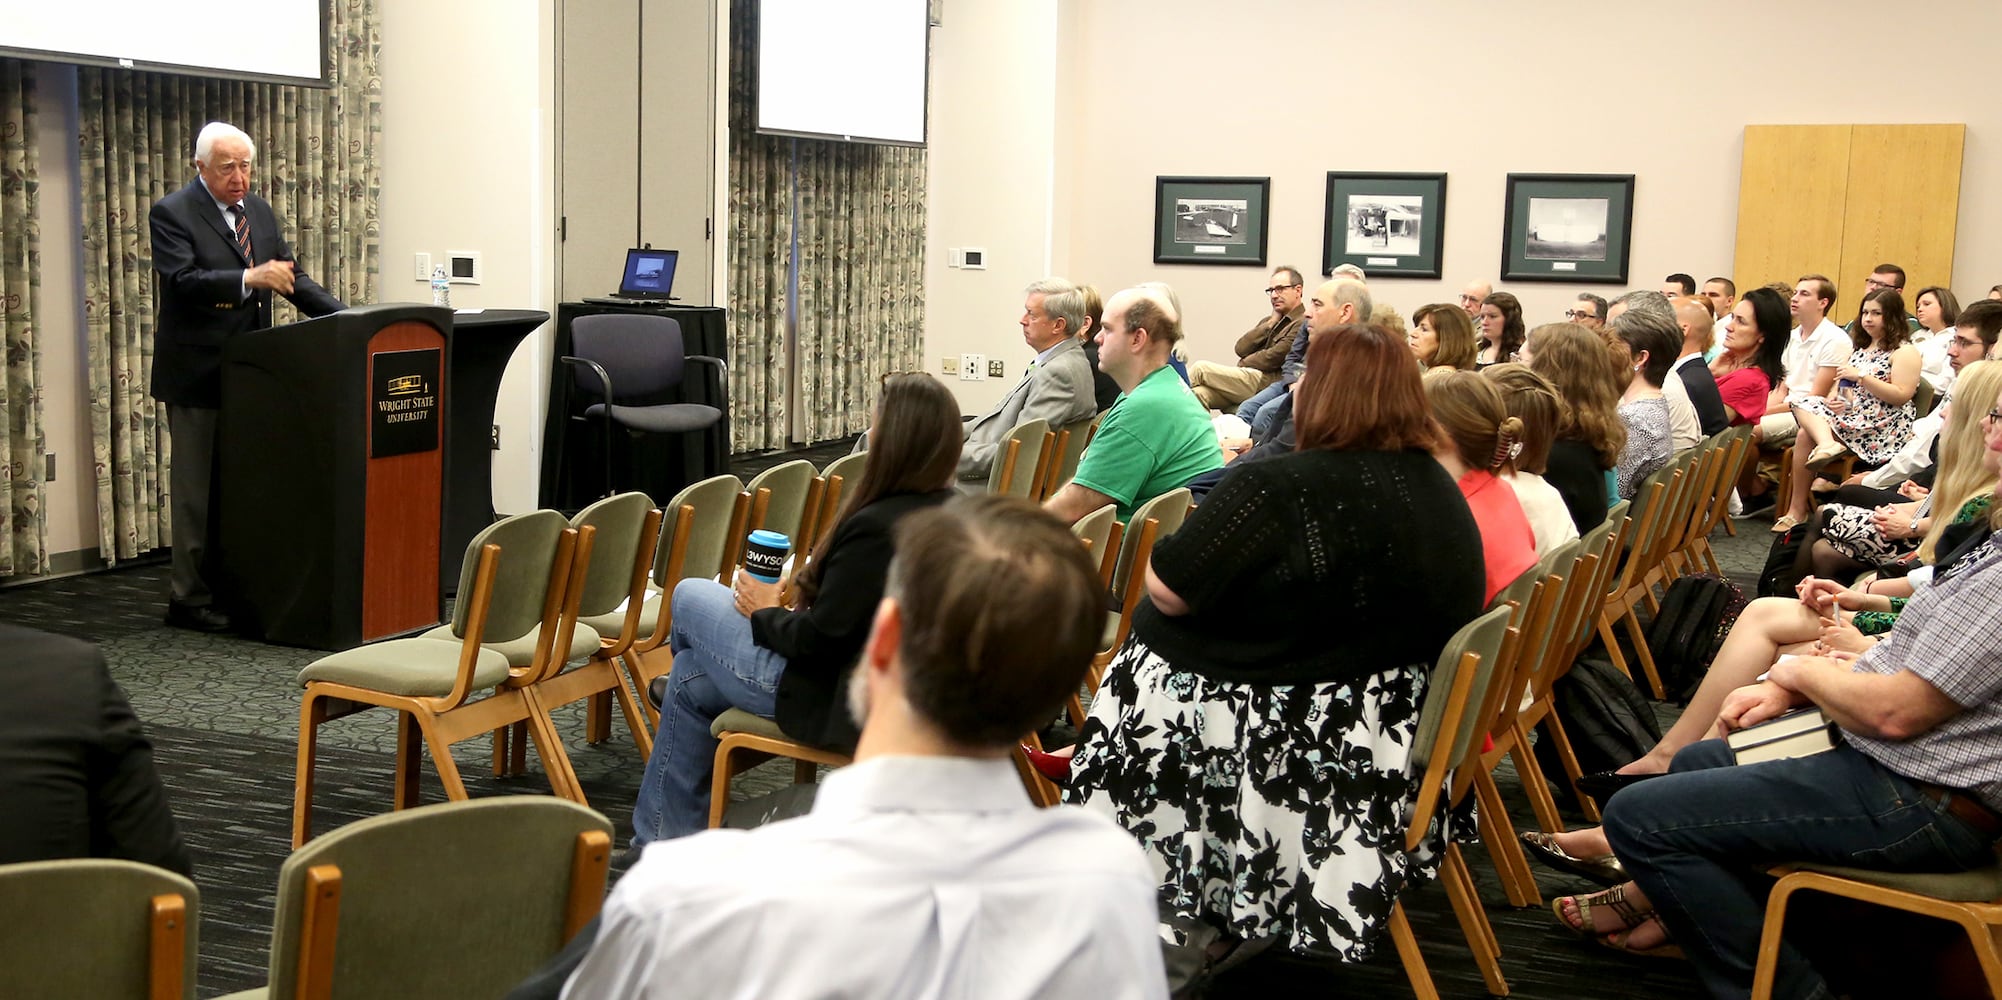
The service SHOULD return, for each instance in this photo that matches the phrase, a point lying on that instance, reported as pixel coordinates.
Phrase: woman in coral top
(1480, 446)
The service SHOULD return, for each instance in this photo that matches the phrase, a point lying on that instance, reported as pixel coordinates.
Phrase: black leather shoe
(656, 692)
(198, 618)
(1602, 784)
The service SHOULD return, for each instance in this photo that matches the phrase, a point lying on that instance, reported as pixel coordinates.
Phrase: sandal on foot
(1787, 523)
(1614, 899)
(1825, 455)
(1604, 869)
(1617, 941)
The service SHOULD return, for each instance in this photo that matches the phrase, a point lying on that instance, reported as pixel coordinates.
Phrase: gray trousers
(192, 430)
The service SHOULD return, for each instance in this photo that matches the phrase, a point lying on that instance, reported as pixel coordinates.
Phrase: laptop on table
(648, 280)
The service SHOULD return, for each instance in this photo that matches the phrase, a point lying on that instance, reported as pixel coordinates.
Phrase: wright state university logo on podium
(403, 404)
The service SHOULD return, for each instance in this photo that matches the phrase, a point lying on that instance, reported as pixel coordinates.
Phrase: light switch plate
(422, 270)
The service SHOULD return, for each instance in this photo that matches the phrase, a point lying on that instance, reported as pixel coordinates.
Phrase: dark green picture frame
(1211, 220)
(1389, 224)
(1573, 228)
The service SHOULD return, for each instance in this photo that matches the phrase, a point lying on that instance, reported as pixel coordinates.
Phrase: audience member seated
(1478, 450)
(1104, 390)
(1360, 521)
(1252, 411)
(1589, 311)
(1649, 347)
(1260, 351)
(1870, 414)
(1972, 340)
(1677, 285)
(737, 647)
(1914, 783)
(1644, 300)
(1691, 380)
(1472, 294)
(1531, 398)
(1173, 304)
(1854, 538)
(1157, 437)
(1501, 329)
(1885, 277)
(1814, 350)
(923, 869)
(1056, 387)
(1722, 294)
(76, 768)
(1755, 341)
(1936, 311)
(1442, 337)
(1575, 361)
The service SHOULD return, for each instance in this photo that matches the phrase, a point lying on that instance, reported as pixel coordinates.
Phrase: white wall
(69, 503)
(1292, 89)
(468, 140)
(991, 176)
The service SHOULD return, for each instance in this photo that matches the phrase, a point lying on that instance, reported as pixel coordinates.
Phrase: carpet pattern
(223, 713)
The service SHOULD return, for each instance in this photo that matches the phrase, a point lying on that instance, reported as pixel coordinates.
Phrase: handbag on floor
(1781, 576)
(1608, 720)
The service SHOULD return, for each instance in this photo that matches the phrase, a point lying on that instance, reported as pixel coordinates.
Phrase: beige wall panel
(1904, 199)
(598, 134)
(1792, 194)
(677, 112)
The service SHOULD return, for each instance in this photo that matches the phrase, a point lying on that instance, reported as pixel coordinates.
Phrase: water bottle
(441, 287)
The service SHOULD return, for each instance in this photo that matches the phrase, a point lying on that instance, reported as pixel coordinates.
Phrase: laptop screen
(649, 274)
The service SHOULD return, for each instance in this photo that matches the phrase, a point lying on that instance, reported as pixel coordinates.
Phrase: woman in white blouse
(1531, 398)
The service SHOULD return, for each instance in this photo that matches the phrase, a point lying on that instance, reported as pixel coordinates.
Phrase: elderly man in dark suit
(1057, 386)
(219, 254)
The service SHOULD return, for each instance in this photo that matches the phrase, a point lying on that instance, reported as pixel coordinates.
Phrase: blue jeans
(1696, 842)
(716, 668)
(1247, 411)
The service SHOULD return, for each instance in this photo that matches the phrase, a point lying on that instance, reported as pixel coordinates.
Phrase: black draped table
(482, 344)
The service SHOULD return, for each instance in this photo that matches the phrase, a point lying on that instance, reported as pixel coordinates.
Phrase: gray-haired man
(1057, 387)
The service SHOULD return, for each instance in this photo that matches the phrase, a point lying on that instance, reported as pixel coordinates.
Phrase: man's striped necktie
(242, 230)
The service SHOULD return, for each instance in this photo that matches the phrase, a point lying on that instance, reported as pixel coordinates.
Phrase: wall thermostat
(464, 267)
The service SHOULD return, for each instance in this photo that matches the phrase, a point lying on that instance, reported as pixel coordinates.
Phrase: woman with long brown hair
(1360, 522)
(1578, 362)
(737, 647)
(1442, 337)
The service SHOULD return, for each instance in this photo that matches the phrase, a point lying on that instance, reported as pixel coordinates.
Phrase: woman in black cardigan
(1255, 732)
(736, 647)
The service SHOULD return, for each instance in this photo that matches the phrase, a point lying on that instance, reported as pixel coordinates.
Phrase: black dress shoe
(201, 618)
(1602, 784)
(656, 692)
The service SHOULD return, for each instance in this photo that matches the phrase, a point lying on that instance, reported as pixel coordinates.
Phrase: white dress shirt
(1549, 520)
(1933, 362)
(1685, 428)
(911, 877)
(1915, 456)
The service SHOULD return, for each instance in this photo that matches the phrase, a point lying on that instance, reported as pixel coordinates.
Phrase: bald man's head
(1692, 314)
(1337, 303)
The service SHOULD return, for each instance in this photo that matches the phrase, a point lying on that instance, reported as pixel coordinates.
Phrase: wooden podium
(328, 506)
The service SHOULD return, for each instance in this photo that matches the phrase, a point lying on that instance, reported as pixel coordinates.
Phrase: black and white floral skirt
(1266, 811)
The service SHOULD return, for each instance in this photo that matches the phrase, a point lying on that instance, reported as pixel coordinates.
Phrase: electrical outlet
(971, 367)
(997, 369)
(422, 270)
(947, 366)
(496, 437)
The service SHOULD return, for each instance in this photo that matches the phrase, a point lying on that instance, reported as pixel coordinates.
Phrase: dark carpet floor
(223, 713)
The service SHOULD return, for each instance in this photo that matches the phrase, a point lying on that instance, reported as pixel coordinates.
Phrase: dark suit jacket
(1711, 413)
(76, 770)
(822, 643)
(199, 290)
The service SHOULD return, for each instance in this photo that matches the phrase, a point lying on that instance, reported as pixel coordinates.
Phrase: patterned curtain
(316, 164)
(860, 236)
(21, 442)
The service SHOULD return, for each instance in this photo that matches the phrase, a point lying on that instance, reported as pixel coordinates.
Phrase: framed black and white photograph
(1211, 220)
(1386, 224)
(1568, 227)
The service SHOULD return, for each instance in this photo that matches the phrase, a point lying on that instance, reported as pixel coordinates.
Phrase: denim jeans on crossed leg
(716, 668)
(1698, 839)
(1247, 411)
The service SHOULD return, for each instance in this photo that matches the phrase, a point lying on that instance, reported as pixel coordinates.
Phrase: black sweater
(1318, 566)
(822, 642)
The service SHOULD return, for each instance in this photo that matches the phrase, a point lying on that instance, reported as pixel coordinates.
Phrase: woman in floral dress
(1870, 410)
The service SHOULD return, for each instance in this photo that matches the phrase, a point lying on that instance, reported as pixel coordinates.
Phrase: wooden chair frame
(738, 751)
(598, 677)
(320, 917)
(440, 722)
(1981, 920)
(1629, 584)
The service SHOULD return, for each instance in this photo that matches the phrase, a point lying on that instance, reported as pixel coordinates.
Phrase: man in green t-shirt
(1157, 436)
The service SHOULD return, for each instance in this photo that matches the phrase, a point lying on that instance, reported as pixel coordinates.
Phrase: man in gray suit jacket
(1056, 388)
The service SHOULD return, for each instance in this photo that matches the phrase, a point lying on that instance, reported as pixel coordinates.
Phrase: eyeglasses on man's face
(1276, 289)
(1578, 314)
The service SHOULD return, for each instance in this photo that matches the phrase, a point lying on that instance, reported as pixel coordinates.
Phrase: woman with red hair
(1215, 736)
